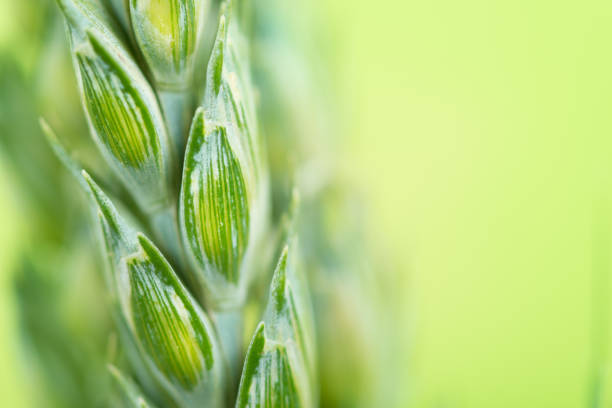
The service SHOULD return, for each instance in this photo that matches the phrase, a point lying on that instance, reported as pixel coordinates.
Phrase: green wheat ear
(169, 328)
(215, 209)
(168, 33)
(185, 261)
(122, 110)
(268, 379)
(223, 209)
(278, 368)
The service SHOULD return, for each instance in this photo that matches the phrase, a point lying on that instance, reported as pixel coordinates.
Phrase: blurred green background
(478, 134)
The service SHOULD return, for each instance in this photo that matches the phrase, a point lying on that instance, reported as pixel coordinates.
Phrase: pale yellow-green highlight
(481, 132)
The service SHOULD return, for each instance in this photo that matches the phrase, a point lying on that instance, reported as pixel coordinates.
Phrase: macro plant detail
(182, 255)
(188, 241)
(171, 333)
(120, 105)
(305, 203)
(168, 33)
(279, 363)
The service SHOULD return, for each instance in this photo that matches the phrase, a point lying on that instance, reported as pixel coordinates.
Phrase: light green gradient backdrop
(480, 134)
